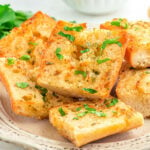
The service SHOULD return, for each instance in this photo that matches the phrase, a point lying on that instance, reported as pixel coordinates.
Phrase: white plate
(39, 134)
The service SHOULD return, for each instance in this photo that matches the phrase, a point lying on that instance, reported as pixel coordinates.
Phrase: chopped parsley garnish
(110, 41)
(25, 57)
(99, 114)
(10, 61)
(84, 74)
(78, 109)
(88, 108)
(75, 118)
(77, 28)
(22, 84)
(57, 52)
(82, 114)
(147, 72)
(119, 23)
(42, 90)
(33, 43)
(85, 50)
(111, 102)
(61, 111)
(100, 61)
(68, 36)
(92, 91)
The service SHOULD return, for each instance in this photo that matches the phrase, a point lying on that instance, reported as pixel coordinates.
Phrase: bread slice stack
(134, 84)
(65, 71)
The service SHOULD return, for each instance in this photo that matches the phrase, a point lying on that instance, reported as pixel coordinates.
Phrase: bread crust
(138, 49)
(30, 38)
(133, 89)
(60, 76)
(28, 101)
(91, 127)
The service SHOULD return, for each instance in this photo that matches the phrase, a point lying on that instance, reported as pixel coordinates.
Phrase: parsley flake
(25, 57)
(42, 90)
(111, 102)
(82, 114)
(61, 111)
(57, 52)
(99, 114)
(100, 61)
(10, 61)
(85, 50)
(75, 118)
(33, 43)
(22, 84)
(84, 74)
(77, 28)
(119, 23)
(147, 72)
(68, 36)
(88, 108)
(78, 109)
(110, 41)
(92, 91)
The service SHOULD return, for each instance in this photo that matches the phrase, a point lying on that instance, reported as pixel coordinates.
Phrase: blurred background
(104, 9)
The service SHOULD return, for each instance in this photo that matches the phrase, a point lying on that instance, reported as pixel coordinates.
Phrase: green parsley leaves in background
(10, 19)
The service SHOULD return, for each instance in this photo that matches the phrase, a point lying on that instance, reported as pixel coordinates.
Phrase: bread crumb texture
(82, 64)
(86, 121)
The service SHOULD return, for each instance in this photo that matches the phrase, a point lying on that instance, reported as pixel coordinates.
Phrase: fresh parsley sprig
(10, 19)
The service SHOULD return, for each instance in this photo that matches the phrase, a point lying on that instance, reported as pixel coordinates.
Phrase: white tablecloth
(133, 10)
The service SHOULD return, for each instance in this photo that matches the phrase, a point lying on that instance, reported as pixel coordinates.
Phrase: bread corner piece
(138, 49)
(29, 38)
(134, 89)
(86, 121)
(26, 97)
(83, 63)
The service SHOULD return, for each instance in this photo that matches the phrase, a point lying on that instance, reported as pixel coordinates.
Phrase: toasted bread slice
(86, 121)
(138, 49)
(29, 38)
(75, 70)
(134, 89)
(31, 100)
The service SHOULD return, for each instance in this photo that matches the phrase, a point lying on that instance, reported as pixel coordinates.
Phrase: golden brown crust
(88, 128)
(133, 89)
(138, 49)
(60, 76)
(29, 38)
(28, 101)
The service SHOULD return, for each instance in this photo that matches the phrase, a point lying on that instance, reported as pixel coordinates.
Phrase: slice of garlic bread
(81, 62)
(138, 49)
(27, 98)
(134, 89)
(29, 38)
(86, 121)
